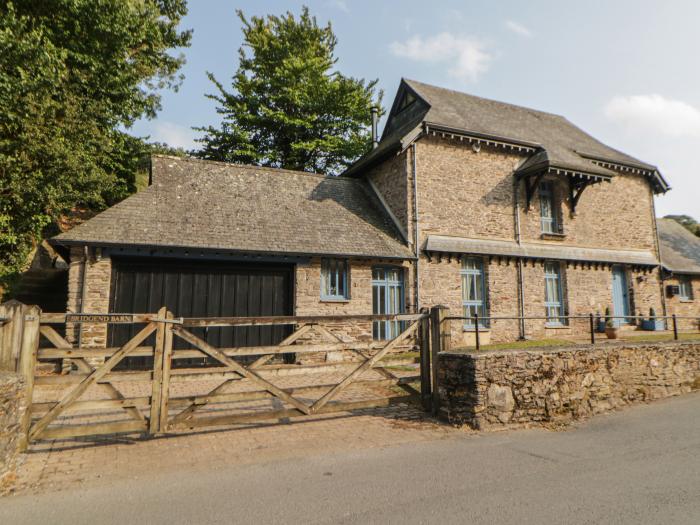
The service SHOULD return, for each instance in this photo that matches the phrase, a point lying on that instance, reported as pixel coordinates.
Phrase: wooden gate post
(27, 366)
(425, 376)
(440, 342)
(157, 377)
(167, 363)
(11, 334)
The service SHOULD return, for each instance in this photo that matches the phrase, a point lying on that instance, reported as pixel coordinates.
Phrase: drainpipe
(658, 256)
(415, 228)
(375, 133)
(521, 293)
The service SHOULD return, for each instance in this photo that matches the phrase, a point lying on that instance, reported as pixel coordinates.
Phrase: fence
(236, 385)
(596, 323)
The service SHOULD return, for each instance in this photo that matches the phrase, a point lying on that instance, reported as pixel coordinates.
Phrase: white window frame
(554, 309)
(335, 279)
(685, 288)
(549, 224)
(473, 268)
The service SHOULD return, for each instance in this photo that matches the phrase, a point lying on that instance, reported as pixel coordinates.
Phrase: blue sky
(628, 72)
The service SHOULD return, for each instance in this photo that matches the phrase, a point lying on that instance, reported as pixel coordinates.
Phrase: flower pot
(611, 332)
(653, 324)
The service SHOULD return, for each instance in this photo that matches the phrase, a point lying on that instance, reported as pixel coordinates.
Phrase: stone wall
(98, 275)
(308, 302)
(488, 390)
(586, 288)
(12, 406)
(675, 305)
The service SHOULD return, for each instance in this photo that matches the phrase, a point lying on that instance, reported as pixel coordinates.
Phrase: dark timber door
(201, 289)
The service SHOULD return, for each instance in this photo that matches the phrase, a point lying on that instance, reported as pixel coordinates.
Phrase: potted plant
(652, 324)
(610, 328)
(599, 323)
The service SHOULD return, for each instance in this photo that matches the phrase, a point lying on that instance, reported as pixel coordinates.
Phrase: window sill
(482, 329)
(685, 300)
(332, 300)
(557, 326)
(553, 236)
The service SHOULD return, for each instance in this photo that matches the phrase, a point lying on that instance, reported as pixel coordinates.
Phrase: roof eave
(110, 244)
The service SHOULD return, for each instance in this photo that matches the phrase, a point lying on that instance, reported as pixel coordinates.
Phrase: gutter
(521, 293)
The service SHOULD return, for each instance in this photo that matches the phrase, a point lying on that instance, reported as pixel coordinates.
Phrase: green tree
(687, 221)
(289, 107)
(73, 73)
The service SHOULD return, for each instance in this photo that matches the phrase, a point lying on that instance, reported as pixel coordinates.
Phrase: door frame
(621, 270)
(402, 299)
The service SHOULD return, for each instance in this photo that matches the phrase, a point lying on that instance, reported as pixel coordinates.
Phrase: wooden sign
(100, 318)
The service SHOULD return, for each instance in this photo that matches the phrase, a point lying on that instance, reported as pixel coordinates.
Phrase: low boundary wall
(12, 406)
(502, 388)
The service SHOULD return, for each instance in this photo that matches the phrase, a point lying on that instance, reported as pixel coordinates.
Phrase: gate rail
(161, 412)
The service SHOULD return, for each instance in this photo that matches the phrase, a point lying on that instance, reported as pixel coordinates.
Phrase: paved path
(641, 465)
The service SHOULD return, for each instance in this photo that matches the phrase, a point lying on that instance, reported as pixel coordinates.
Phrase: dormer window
(549, 219)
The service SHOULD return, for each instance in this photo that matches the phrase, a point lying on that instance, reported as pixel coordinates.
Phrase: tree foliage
(687, 221)
(72, 74)
(288, 107)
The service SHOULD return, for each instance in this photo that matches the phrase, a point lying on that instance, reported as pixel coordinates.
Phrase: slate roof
(680, 249)
(213, 205)
(558, 142)
(445, 244)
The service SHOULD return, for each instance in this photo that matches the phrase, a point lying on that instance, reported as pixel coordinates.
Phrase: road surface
(638, 466)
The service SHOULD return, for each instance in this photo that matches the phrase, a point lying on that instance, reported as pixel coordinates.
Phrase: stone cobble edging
(496, 389)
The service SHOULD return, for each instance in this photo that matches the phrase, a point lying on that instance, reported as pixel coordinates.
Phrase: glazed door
(387, 298)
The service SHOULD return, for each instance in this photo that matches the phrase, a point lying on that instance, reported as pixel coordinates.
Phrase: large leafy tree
(73, 74)
(288, 106)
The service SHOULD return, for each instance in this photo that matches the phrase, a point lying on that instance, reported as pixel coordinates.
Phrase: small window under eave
(406, 101)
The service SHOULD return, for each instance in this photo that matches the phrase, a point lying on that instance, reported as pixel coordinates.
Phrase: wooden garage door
(201, 289)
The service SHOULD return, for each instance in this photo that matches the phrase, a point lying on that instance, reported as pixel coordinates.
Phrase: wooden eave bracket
(576, 187)
(532, 182)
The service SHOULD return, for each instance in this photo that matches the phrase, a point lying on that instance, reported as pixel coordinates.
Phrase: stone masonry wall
(309, 302)
(98, 276)
(393, 180)
(587, 289)
(615, 215)
(464, 193)
(675, 305)
(488, 390)
(12, 406)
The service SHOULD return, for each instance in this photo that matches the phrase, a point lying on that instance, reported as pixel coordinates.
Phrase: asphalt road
(638, 466)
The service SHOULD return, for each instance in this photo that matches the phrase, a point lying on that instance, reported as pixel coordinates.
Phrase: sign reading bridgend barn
(484, 207)
(100, 318)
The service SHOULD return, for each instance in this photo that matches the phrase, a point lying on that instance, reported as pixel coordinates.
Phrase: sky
(626, 71)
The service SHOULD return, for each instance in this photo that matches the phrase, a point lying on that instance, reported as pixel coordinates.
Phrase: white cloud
(339, 4)
(467, 56)
(656, 114)
(518, 29)
(173, 134)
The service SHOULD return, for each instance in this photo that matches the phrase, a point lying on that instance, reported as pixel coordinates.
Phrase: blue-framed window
(553, 294)
(334, 280)
(473, 291)
(685, 288)
(387, 298)
(549, 220)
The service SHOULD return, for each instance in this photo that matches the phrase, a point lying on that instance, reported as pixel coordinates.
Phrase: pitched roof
(214, 205)
(680, 249)
(564, 145)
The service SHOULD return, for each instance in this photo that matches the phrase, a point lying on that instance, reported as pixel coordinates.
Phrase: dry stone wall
(12, 406)
(496, 389)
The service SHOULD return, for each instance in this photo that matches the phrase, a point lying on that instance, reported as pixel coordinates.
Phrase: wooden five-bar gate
(237, 385)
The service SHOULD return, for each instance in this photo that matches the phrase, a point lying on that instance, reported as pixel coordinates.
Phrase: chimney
(375, 118)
